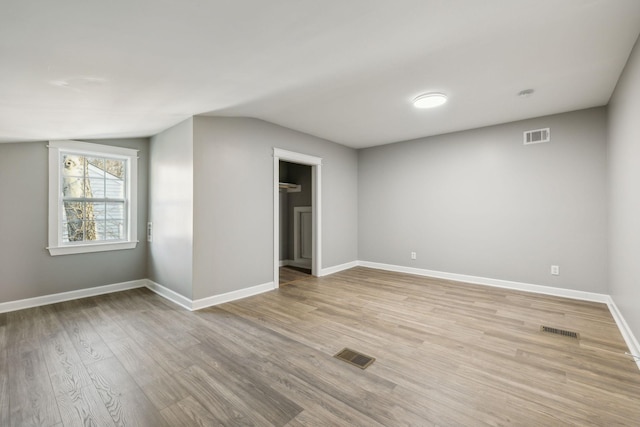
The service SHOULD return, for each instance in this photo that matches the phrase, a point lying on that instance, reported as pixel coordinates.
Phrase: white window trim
(56, 246)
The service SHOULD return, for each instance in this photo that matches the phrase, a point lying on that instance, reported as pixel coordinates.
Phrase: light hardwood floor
(289, 274)
(448, 354)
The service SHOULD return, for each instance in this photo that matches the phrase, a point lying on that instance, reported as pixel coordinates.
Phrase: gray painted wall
(480, 203)
(624, 194)
(171, 208)
(233, 201)
(27, 268)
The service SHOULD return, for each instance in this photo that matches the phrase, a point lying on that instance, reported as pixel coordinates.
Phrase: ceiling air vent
(537, 136)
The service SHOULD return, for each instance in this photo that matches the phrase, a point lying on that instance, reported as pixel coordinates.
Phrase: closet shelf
(291, 188)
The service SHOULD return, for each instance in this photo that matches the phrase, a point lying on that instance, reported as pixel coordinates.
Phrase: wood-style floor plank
(103, 324)
(175, 416)
(66, 370)
(274, 406)
(447, 353)
(290, 274)
(195, 413)
(165, 391)
(137, 361)
(227, 407)
(31, 397)
(83, 408)
(87, 342)
(4, 388)
(135, 409)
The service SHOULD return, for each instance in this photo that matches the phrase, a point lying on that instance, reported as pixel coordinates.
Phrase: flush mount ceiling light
(429, 100)
(526, 93)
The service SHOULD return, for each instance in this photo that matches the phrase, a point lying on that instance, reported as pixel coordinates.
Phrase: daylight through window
(93, 191)
(91, 203)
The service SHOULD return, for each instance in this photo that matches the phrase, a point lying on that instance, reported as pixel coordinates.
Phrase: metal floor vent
(355, 358)
(562, 332)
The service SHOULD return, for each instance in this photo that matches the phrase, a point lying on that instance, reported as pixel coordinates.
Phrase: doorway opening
(297, 224)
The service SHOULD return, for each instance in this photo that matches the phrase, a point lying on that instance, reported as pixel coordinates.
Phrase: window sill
(95, 247)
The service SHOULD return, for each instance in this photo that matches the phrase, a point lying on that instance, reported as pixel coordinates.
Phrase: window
(92, 197)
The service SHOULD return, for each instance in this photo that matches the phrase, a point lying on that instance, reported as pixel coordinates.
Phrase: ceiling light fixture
(525, 93)
(429, 100)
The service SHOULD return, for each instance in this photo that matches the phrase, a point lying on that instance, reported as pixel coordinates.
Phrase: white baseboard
(526, 287)
(232, 296)
(172, 296)
(198, 304)
(338, 268)
(70, 295)
(163, 291)
(629, 338)
(284, 262)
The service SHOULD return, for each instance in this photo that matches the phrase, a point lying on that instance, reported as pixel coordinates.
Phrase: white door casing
(316, 207)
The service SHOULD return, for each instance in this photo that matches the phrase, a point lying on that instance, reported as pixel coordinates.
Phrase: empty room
(320, 213)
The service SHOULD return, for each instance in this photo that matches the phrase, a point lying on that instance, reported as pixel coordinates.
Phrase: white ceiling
(345, 70)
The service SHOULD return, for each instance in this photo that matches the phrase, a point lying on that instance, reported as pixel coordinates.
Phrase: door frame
(316, 207)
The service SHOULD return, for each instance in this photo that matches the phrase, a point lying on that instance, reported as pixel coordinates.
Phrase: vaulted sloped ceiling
(342, 70)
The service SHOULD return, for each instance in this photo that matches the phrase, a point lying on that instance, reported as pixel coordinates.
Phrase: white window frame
(56, 150)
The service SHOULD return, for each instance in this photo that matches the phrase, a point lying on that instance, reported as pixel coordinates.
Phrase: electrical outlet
(149, 232)
(414, 255)
(555, 270)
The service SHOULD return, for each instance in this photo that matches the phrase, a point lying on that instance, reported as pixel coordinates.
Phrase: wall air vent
(537, 136)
